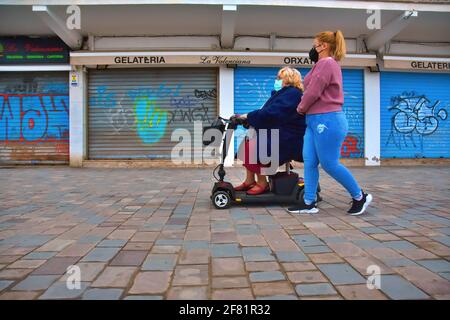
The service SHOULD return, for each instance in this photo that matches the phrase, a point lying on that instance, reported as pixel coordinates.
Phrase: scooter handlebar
(235, 119)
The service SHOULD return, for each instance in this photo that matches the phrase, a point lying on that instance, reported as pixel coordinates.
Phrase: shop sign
(430, 65)
(25, 50)
(139, 60)
(417, 63)
(208, 59)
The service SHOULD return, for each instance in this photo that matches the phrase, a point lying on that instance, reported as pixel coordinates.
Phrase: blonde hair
(291, 76)
(336, 41)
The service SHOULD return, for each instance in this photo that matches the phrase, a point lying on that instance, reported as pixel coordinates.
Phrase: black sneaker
(302, 207)
(358, 207)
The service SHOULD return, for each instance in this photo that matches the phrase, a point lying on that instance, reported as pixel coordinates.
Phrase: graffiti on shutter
(134, 112)
(415, 110)
(34, 120)
(146, 117)
(413, 117)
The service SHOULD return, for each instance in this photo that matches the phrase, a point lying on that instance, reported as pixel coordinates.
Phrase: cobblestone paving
(153, 234)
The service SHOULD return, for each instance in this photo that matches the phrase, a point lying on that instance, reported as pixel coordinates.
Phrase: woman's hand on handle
(239, 116)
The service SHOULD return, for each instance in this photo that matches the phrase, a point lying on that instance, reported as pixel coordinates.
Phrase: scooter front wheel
(221, 199)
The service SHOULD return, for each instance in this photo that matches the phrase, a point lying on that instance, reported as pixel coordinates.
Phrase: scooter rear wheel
(301, 194)
(221, 199)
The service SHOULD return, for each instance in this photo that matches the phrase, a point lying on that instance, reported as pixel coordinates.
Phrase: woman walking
(326, 124)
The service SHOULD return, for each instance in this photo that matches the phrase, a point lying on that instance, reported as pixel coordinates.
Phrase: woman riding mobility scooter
(285, 187)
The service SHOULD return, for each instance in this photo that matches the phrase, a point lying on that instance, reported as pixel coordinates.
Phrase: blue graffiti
(162, 91)
(34, 117)
(151, 121)
(148, 111)
(103, 98)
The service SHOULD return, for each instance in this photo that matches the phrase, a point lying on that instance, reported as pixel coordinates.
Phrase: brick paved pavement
(153, 234)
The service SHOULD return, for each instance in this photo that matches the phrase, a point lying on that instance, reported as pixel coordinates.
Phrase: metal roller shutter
(133, 112)
(34, 117)
(414, 115)
(254, 85)
(353, 146)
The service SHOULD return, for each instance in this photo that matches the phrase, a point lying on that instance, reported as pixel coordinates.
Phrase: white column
(226, 103)
(77, 117)
(372, 124)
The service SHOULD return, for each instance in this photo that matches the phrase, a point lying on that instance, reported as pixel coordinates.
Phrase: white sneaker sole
(309, 211)
(366, 204)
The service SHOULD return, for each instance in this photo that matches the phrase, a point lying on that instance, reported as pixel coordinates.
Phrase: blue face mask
(278, 85)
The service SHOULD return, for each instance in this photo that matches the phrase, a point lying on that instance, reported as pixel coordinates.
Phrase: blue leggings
(322, 143)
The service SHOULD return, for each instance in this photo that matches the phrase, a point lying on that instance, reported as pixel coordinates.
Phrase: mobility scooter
(285, 187)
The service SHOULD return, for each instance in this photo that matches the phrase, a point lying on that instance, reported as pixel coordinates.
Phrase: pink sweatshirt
(323, 88)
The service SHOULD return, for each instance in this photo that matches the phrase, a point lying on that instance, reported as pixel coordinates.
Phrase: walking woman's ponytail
(336, 41)
(340, 48)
